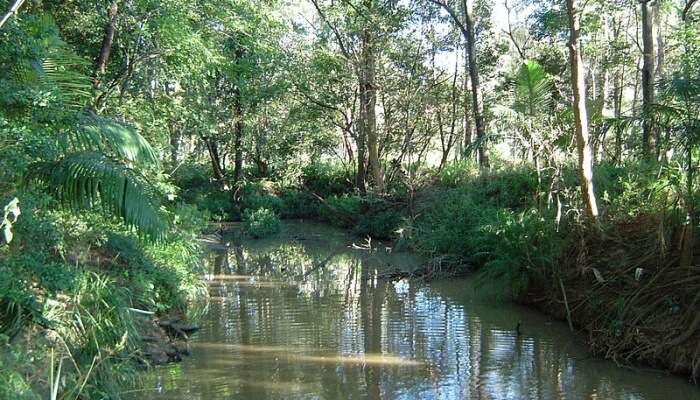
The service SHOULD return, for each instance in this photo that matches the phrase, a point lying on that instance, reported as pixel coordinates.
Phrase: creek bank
(624, 285)
(164, 339)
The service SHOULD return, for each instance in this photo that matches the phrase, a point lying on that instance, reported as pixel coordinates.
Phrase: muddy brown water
(302, 316)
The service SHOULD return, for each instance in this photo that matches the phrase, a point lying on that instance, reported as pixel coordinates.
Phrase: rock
(160, 339)
(183, 348)
(187, 328)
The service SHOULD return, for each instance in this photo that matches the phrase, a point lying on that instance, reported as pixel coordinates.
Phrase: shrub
(296, 204)
(380, 219)
(328, 179)
(198, 188)
(261, 222)
(380, 225)
(457, 173)
(256, 196)
(342, 211)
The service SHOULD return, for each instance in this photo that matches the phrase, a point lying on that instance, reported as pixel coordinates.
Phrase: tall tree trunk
(467, 29)
(647, 75)
(237, 135)
(369, 117)
(360, 177)
(659, 22)
(213, 149)
(617, 111)
(477, 99)
(106, 48)
(580, 114)
(467, 118)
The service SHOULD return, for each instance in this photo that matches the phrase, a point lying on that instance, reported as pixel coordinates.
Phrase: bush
(341, 210)
(380, 225)
(261, 223)
(78, 274)
(256, 196)
(296, 204)
(328, 179)
(457, 173)
(198, 188)
(380, 218)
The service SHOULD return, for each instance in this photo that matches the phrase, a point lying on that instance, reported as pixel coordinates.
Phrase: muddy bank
(164, 339)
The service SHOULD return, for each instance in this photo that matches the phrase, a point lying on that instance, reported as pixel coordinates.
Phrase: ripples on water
(302, 316)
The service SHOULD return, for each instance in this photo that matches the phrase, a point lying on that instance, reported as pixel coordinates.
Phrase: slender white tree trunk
(578, 83)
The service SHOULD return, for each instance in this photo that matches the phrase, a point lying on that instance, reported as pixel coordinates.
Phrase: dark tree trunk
(368, 102)
(477, 99)
(647, 75)
(215, 158)
(237, 136)
(106, 48)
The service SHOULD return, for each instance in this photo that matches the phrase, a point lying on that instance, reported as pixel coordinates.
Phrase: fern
(91, 179)
(62, 71)
(104, 135)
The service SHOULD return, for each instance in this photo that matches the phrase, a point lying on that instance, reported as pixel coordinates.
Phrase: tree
(365, 22)
(578, 83)
(647, 74)
(467, 28)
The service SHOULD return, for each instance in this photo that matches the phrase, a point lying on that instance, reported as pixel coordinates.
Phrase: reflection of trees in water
(341, 311)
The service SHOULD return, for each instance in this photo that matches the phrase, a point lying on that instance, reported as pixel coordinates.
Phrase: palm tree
(529, 113)
(96, 162)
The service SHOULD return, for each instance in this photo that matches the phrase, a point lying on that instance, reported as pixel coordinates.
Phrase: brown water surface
(302, 316)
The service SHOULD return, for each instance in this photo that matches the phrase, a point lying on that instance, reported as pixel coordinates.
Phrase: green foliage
(256, 196)
(341, 210)
(83, 266)
(84, 180)
(523, 248)
(260, 223)
(299, 204)
(489, 224)
(380, 219)
(457, 173)
(328, 179)
(197, 187)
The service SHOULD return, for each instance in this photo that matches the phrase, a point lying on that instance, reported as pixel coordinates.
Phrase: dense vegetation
(550, 145)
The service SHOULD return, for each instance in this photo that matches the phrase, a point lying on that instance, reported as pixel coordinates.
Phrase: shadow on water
(302, 315)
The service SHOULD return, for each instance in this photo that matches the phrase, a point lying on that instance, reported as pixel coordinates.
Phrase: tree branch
(338, 36)
(453, 15)
(686, 9)
(13, 11)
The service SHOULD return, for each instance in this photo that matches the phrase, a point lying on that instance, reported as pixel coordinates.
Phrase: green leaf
(90, 179)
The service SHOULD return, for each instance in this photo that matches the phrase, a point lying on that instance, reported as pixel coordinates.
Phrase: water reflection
(304, 316)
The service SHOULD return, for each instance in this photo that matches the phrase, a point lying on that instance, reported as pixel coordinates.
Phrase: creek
(304, 316)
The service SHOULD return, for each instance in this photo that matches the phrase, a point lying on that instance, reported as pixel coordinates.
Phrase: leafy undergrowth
(622, 281)
(70, 284)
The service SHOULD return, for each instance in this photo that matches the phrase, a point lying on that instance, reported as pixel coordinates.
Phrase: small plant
(261, 223)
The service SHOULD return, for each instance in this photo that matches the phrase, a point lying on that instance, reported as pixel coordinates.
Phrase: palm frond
(681, 87)
(533, 91)
(90, 179)
(105, 135)
(63, 70)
